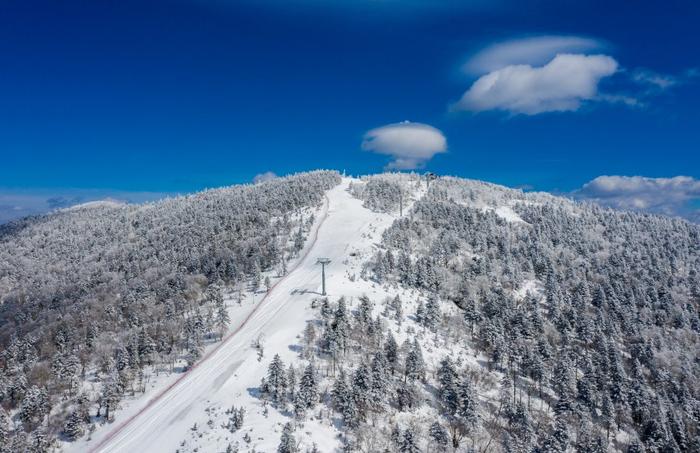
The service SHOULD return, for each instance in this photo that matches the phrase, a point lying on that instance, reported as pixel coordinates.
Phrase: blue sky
(127, 98)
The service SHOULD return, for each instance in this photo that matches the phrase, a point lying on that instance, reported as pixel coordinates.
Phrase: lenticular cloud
(410, 145)
(560, 85)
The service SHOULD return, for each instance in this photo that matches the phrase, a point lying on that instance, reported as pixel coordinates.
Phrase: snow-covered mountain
(459, 316)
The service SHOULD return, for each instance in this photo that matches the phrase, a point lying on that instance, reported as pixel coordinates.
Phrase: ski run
(162, 419)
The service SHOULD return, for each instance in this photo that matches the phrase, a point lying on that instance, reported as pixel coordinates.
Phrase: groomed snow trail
(230, 373)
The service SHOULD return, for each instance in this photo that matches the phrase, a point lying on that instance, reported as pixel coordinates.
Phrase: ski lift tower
(323, 262)
(429, 176)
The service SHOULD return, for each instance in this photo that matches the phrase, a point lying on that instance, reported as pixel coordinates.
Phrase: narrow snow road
(230, 373)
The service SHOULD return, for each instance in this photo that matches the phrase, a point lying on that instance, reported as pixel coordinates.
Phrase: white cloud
(669, 196)
(656, 80)
(410, 145)
(17, 203)
(534, 51)
(554, 73)
(560, 85)
(262, 177)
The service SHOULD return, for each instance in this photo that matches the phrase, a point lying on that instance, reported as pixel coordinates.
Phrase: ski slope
(230, 373)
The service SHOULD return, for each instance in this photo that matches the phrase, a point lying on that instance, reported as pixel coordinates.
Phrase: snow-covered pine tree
(439, 436)
(276, 382)
(409, 441)
(361, 389)
(414, 367)
(288, 443)
(4, 431)
(307, 395)
(391, 352)
(73, 428)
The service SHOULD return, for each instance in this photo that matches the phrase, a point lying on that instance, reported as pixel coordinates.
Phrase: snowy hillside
(98, 302)
(463, 317)
(229, 376)
(571, 326)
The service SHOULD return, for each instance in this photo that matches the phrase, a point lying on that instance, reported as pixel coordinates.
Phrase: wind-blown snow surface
(230, 374)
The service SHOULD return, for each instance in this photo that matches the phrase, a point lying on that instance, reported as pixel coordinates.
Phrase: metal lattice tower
(323, 262)
(429, 176)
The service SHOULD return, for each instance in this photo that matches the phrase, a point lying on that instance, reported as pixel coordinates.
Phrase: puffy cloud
(262, 177)
(534, 51)
(560, 85)
(410, 145)
(670, 196)
(555, 74)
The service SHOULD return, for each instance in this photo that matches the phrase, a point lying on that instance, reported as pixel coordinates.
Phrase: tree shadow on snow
(297, 291)
(254, 392)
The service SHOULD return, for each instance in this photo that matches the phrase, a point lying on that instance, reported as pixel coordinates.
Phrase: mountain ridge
(490, 291)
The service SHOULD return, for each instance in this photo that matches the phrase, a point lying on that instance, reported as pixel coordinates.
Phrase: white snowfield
(230, 373)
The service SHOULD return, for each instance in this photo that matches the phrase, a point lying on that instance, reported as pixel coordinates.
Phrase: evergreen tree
(276, 383)
(288, 443)
(391, 352)
(222, 318)
(307, 395)
(379, 381)
(255, 278)
(34, 407)
(409, 443)
(468, 403)
(341, 324)
(448, 386)
(606, 413)
(439, 436)
(73, 428)
(397, 306)
(309, 339)
(39, 441)
(471, 315)
(343, 400)
(364, 312)
(326, 311)
(558, 440)
(291, 381)
(420, 313)
(4, 431)
(414, 367)
(431, 315)
(236, 417)
(407, 396)
(361, 389)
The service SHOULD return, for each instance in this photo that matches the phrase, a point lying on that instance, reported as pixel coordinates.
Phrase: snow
(504, 211)
(507, 213)
(529, 287)
(108, 203)
(230, 372)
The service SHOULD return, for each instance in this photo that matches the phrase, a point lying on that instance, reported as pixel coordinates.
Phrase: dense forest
(521, 322)
(388, 192)
(102, 292)
(496, 320)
